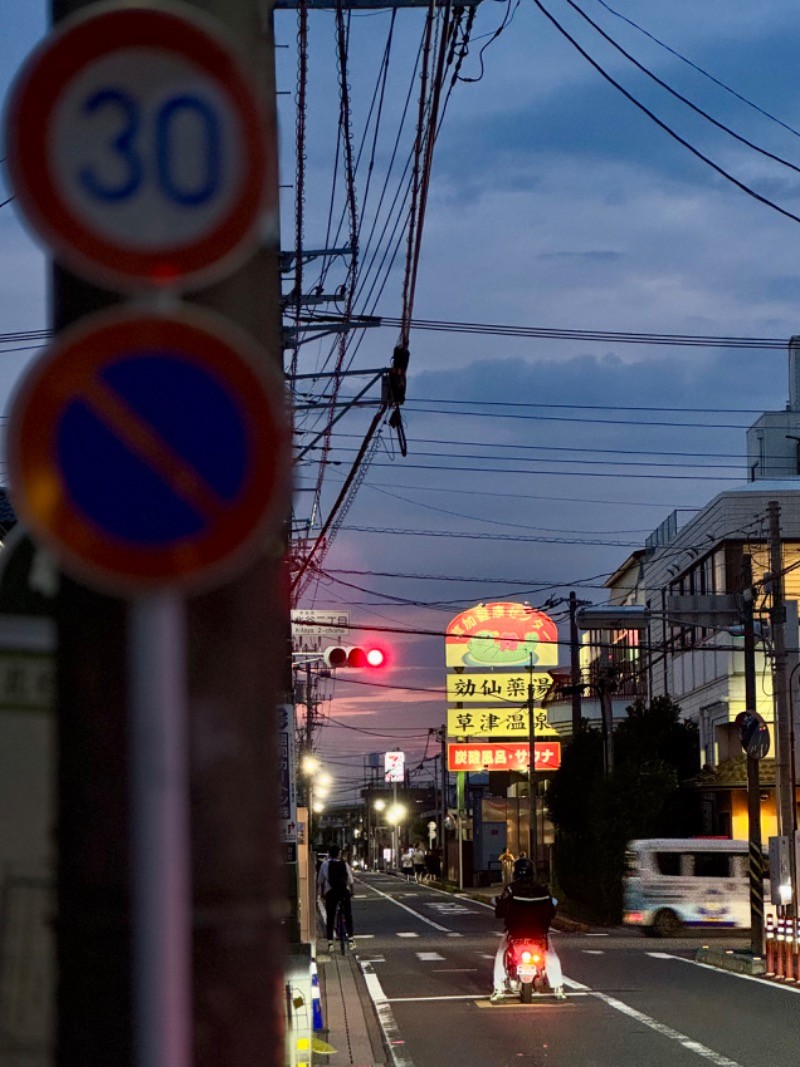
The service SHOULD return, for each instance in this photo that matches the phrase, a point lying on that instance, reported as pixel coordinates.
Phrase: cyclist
(334, 884)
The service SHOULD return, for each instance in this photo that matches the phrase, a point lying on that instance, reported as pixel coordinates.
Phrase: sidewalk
(348, 1014)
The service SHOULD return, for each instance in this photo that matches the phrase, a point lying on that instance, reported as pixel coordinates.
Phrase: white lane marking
(451, 934)
(598, 935)
(729, 974)
(365, 937)
(411, 911)
(405, 934)
(425, 1000)
(427, 957)
(454, 970)
(593, 952)
(486, 955)
(449, 908)
(394, 1042)
(666, 1031)
(693, 1046)
(376, 959)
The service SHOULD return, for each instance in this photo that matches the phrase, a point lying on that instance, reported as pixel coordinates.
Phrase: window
(712, 864)
(669, 863)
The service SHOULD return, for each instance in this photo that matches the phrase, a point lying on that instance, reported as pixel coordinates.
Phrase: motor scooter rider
(527, 908)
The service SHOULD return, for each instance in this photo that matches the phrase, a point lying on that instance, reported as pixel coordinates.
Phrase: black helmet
(523, 868)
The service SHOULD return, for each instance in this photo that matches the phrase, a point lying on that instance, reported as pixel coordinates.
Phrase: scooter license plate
(526, 973)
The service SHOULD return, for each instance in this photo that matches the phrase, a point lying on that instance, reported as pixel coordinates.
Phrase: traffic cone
(316, 1003)
(769, 938)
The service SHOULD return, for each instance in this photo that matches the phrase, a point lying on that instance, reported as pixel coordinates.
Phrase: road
(632, 1001)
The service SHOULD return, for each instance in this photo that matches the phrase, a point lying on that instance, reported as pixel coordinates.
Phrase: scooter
(525, 967)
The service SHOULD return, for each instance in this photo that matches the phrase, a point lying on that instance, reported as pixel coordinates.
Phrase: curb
(731, 960)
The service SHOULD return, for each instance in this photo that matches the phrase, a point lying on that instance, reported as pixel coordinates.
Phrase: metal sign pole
(160, 801)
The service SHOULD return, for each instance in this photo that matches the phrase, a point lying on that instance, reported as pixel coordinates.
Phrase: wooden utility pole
(236, 670)
(783, 731)
(756, 863)
(575, 664)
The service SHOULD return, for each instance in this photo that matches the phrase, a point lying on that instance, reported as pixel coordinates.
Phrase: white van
(675, 883)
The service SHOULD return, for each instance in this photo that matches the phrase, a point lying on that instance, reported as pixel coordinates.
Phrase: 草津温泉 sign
(149, 450)
(491, 722)
(501, 635)
(513, 756)
(510, 687)
(138, 148)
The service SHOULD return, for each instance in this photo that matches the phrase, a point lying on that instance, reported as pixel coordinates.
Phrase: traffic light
(354, 656)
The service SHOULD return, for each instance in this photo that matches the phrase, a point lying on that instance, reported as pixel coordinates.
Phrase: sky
(535, 464)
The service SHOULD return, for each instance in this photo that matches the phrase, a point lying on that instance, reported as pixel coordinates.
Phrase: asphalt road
(632, 1001)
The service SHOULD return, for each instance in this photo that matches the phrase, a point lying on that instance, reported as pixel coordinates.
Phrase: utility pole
(236, 671)
(783, 728)
(533, 848)
(443, 799)
(575, 664)
(756, 865)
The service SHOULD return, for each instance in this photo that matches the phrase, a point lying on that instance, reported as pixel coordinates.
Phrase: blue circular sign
(149, 450)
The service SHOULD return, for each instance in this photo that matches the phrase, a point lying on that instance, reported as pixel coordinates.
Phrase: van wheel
(666, 924)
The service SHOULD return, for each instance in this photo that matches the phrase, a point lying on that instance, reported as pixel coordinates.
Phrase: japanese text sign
(509, 687)
(469, 756)
(501, 635)
(493, 722)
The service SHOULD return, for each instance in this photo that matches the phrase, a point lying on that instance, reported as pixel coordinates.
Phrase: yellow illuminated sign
(501, 635)
(506, 688)
(497, 722)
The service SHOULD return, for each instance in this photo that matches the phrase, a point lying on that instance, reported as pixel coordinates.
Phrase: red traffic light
(354, 656)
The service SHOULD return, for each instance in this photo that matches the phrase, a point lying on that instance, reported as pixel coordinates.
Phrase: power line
(661, 124)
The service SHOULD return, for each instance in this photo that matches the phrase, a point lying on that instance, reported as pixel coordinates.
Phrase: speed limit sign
(138, 148)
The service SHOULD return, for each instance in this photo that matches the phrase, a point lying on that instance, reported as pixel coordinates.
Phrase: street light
(395, 815)
(318, 783)
(379, 806)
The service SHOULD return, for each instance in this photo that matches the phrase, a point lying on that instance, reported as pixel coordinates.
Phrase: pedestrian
(523, 867)
(418, 856)
(407, 864)
(335, 883)
(507, 865)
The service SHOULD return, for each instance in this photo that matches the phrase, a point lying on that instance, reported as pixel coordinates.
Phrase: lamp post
(379, 807)
(396, 814)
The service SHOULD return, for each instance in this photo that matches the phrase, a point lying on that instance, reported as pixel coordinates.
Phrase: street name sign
(138, 148)
(147, 451)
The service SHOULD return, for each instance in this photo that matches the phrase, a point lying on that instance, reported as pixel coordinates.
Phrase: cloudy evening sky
(535, 465)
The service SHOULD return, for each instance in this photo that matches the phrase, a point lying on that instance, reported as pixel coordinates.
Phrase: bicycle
(340, 927)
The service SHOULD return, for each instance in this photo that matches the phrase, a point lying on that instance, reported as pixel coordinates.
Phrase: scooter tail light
(526, 957)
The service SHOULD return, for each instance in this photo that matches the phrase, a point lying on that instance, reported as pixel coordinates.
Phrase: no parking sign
(149, 450)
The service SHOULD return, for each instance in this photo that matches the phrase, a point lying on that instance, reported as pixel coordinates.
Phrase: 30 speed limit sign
(138, 149)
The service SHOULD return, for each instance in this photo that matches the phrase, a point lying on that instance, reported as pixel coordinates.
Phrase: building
(694, 580)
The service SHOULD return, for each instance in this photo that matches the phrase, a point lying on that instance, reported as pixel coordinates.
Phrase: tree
(596, 815)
